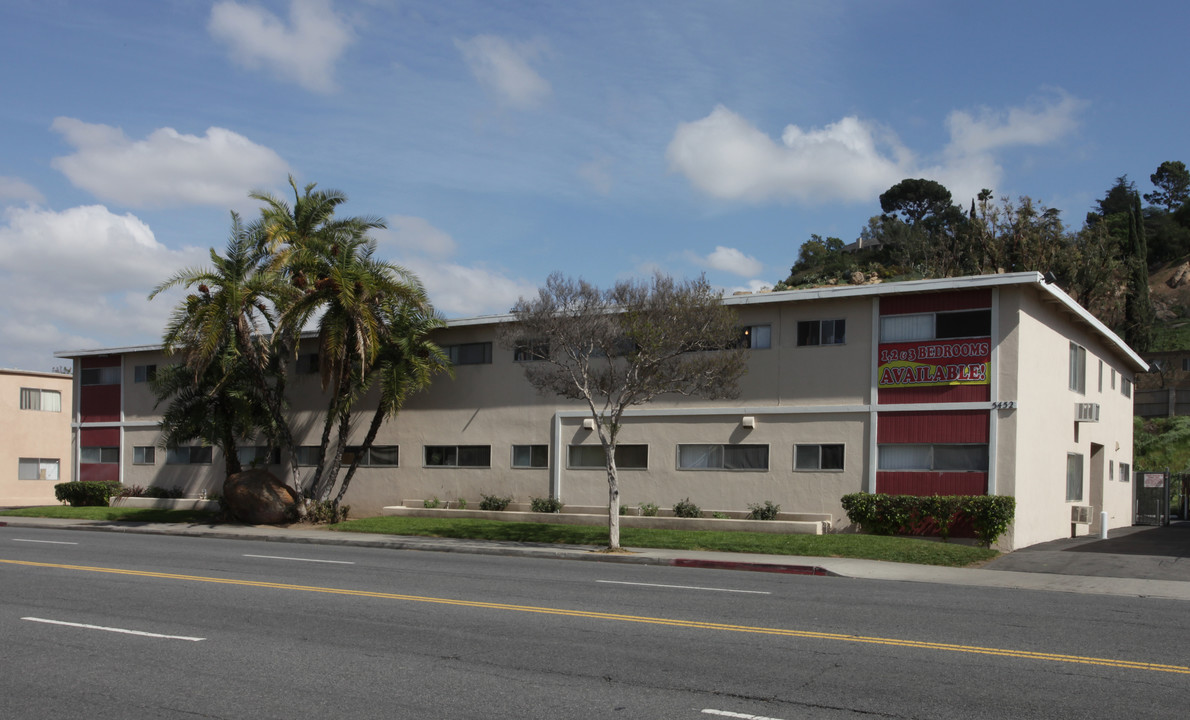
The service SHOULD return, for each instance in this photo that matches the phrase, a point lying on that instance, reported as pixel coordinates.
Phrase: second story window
(100, 376)
(757, 337)
(38, 399)
(470, 353)
(1078, 368)
(144, 373)
(821, 332)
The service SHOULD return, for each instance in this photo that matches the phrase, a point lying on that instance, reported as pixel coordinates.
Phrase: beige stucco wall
(1046, 431)
(32, 434)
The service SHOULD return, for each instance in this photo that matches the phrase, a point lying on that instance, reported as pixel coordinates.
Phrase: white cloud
(726, 157)
(851, 160)
(415, 235)
(166, 168)
(456, 290)
(1043, 123)
(80, 279)
(304, 51)
(12, 188)
(504, 68)
(598, 175)
(733, 261)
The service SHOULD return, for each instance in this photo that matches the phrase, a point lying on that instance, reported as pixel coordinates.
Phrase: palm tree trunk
(373, 429)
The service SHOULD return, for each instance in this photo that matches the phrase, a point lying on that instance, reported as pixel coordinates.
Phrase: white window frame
(1074, 466)
(107, 454)
(1078, 368)
(36, 399)
(144, 455)
(39, 469)
(929, 451)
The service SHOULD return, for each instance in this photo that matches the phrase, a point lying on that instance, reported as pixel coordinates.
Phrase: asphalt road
(236, 629)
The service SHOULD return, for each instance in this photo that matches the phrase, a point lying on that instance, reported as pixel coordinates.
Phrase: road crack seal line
(691, 624)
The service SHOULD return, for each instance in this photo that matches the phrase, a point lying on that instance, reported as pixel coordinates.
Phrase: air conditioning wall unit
(1080, 514)
(1086, 412)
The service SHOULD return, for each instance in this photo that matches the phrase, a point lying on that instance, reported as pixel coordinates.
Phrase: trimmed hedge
(989, 515)
(86, 494)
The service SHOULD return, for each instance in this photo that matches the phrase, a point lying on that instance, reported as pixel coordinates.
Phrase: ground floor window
(940, 457)
(818, 457)
(1074, 477)
(305, 456)
(1125, 472)
(628, 457)
(144, 455)
(37, 469)
(189, 455)
(458, 455)
(530, 456)
(110, 455)
(723, 457)
(258, 456)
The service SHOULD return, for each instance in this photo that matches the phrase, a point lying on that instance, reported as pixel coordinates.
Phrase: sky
(502, 142)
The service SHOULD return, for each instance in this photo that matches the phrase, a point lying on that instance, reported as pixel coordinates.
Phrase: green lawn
(869, 547)
(147, 515)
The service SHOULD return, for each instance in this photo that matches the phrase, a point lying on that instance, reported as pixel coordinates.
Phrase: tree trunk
(312, 492)
(373, 429)
(613, 500)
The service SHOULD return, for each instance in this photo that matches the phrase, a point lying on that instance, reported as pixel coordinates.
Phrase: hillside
(1169, 288)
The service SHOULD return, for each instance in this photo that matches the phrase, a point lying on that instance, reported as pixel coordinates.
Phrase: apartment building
(996, 384)
(35, 453)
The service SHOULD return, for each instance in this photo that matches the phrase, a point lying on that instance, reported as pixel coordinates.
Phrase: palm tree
(349, 298)
(406, 362)
(217, 333)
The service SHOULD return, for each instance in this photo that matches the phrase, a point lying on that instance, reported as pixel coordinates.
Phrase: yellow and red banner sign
(936, 362)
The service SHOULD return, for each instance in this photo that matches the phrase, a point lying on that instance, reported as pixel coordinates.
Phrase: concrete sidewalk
(1026, 569)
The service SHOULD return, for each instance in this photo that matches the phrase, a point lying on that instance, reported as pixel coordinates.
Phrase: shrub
(648, 509)
(719, 515)
(321, 512)
(462, 503)
(431, 503)
(767, 511)
(156, 491)
(494, 502)
(86, 493)
(625, 508)
(686, 509)
(545, 505)
(132, 491)
(990, 515)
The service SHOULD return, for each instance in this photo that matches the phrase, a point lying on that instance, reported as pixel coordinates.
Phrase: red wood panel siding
(951, 426)
(99, 472)
(99, 403)
(99, 437)
(100, 361)
(936, 302)
(935, 394)
(932, 483)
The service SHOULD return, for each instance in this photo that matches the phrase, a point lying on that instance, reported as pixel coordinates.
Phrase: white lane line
(115, 630)
(278, 557)
(726, 713)
(686, 587)
(45, 542)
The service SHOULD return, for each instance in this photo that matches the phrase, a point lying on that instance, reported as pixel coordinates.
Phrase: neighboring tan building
(997, 384)
(35, 430)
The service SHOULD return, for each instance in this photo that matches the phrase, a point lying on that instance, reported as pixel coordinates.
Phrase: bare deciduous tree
(625, 346)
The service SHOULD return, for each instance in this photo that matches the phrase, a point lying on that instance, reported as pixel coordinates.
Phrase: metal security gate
(1152, 497)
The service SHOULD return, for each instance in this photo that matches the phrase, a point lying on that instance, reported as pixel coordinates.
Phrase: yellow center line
(693, 624)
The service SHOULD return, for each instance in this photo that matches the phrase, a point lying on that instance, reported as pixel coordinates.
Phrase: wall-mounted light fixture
(748, 421)
(589, 424)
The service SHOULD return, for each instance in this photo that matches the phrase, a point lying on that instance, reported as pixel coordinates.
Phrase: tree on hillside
(923, 230)
(621, 347)
(915, 199)
(1172, 182)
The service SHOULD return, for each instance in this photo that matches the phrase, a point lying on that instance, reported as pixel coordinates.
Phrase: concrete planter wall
(815, 525)
(168, 503)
